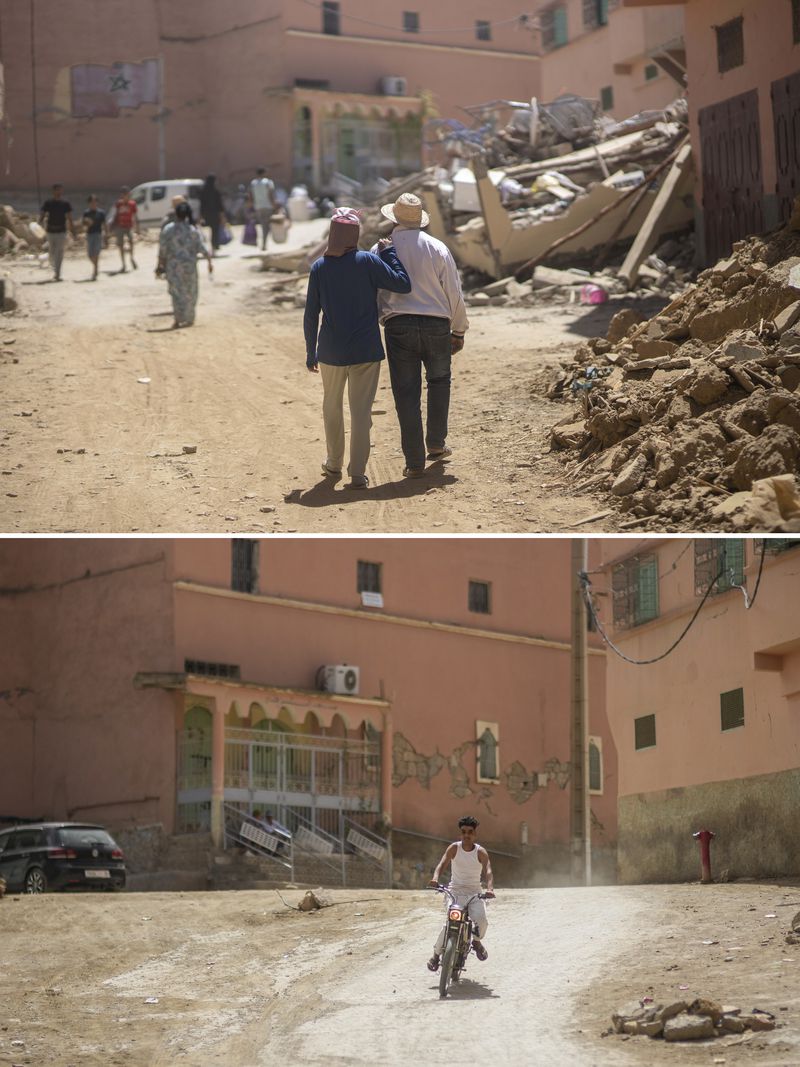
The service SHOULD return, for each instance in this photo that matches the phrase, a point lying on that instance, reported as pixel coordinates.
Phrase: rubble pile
(19, 233)
(684, 1021)
(679, 416)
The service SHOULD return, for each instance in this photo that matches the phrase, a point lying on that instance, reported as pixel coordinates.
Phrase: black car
(43, 856)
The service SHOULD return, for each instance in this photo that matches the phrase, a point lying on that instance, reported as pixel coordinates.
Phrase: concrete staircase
(232, 870)
(190, 862)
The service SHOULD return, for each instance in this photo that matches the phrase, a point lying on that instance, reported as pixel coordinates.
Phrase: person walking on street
(469, 866)
(262, 195)
(212, 210)
(124, 222)
(179, 245)
(96, 227)
(343, 285)
(423, 328)
(58, 213)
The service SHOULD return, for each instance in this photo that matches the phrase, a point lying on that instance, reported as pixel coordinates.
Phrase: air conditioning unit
(340, 678)
(392, 85)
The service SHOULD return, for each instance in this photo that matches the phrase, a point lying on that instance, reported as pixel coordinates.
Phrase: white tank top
(465, 869)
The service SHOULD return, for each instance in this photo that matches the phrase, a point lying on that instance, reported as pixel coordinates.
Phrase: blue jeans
(414, 341)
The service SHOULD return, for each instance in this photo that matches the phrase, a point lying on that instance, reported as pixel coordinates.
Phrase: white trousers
(477, 912)
(361, 380)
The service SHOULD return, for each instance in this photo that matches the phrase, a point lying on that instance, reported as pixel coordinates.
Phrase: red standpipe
(705, 836)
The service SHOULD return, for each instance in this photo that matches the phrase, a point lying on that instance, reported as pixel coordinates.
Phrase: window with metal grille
(634, 591)
(731, 709)
(644, 731)
(478, 598)
(796, 21)
(721, 558)
(483, 30)
(553, 26)
(650, 72)
(607, 98)
(595, 765)
(411, 21)
(368, 577)
(730, 44)
(775, 545)
(244, 559)
(488, 739)
(595, 13)
(330, 17)
(212, 670)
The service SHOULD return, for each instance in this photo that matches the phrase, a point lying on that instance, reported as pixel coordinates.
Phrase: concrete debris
(583, 207)
(698, 403)
(19, 233)
(681, 1021)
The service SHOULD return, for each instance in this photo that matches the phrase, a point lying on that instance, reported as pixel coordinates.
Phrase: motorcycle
(458, 939)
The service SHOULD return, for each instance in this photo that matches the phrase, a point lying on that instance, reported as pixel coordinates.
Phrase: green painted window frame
(731, 709)
(607, 98)
(713, 553)
(644, 732)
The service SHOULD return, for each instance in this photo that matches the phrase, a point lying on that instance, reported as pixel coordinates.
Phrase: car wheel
(36, 881)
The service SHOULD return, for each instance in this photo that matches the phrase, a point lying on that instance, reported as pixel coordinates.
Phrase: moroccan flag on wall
(100, 92)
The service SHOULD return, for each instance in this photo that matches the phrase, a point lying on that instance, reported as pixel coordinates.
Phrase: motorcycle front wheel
(448, 960)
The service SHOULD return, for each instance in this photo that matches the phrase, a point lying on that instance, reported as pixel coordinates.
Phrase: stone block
(785, 319)
(726, 268)
(686, 1027)
(647, 348)
(630, 477)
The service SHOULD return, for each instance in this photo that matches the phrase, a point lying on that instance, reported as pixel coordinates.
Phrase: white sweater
(435, 284)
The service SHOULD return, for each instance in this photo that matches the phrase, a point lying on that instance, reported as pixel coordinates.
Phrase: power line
(585, 588)
(587, 596)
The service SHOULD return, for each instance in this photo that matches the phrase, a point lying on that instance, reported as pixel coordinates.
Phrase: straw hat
(406, 211)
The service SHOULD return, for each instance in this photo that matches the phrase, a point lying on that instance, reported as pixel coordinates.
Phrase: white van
(154, 199)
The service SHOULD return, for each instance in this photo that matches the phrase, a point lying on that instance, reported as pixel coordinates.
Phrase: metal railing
(275, 844)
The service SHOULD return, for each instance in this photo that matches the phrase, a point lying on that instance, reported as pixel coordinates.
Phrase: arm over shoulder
(388, 272)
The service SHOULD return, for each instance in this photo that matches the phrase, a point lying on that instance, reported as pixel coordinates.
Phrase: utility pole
(580, 811)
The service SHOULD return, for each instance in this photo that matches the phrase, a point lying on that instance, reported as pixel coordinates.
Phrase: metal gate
(322, 777)
(730, 149)
(786, 117)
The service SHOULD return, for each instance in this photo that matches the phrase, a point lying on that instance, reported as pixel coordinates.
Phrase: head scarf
(345, 232)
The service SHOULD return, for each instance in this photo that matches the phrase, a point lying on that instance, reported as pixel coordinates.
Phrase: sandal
(433, 963)
(329, 472)
(440, 454)
(413, 472)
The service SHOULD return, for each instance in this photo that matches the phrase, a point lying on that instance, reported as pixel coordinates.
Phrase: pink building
(743, 61)
(630, 60)
(708, 736)
(98, 92)
(155, 682)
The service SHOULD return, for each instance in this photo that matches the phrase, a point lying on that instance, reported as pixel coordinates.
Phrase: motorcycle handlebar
(488, 895)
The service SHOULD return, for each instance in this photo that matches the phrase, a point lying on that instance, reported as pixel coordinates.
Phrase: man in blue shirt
(347, 349)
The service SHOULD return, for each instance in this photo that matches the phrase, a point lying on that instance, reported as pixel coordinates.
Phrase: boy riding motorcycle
(469, 867)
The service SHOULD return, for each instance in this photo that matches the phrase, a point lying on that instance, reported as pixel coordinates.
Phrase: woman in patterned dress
(179, 246)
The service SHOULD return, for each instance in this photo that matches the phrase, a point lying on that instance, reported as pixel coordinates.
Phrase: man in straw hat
(343, 285)
(422, 328)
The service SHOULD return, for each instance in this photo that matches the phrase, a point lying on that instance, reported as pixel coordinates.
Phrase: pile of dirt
(19, 233)
(675, 414)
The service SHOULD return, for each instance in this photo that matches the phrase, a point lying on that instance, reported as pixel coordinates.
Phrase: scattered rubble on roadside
(693, 416)
(680, 1020)
(19, 233)
(793, 936)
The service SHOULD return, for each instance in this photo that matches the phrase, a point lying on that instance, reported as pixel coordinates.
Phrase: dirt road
(99, 398)
(240, 980)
